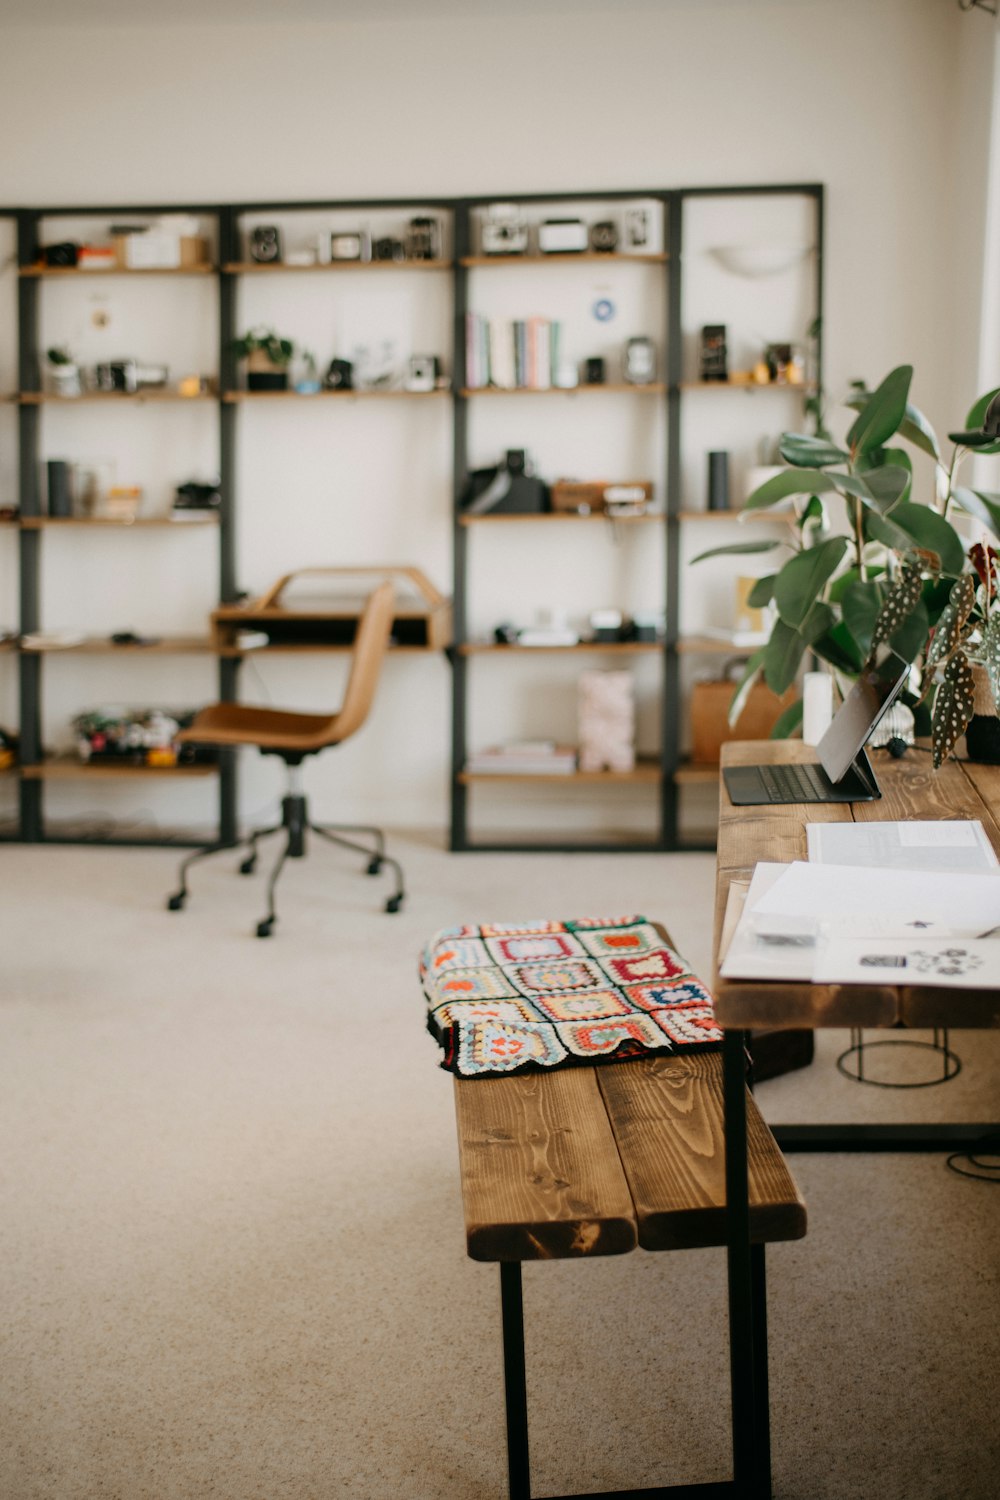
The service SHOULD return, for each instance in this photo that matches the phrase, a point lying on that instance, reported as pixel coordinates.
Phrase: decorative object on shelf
(637, 224)
(606, 721)
(639, 364)
(630, 499)
(265, 244)
(603, 309)
(423, 238)
(718, 480)
(62, 255)
(901, 575)
(388, 248)
(172, 242)
(348, 245)
(129, 376)
(601, 496)
(510, 488)
(759, 260)
(710, 705)
(609, 626)
(144, 737)
(523, 758)
(422, 372)
(593, 370)
(92, 480)
(308, 382)
(8, 749)
(504, 230)
(122, 502)
(62, 374)
(339, 375)
(784, 365)
(375, 365)
(195, 499)
(604, 236)
(714, 359)
(562, 237)
(60, 487)
(649, 624)
(268, 357)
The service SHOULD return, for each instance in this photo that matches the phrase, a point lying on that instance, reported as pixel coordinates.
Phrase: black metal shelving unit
(228, 219)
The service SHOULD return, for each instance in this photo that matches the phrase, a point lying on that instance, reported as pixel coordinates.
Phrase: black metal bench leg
(744, 1325)
(762, 1412)
(515, 1386)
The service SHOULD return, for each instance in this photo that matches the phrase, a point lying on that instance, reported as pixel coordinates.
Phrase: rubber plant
(895, 569)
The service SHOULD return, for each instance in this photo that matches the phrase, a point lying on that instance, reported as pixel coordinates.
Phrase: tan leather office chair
(293, 736)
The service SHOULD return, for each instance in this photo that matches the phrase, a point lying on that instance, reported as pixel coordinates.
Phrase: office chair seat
(293, 736)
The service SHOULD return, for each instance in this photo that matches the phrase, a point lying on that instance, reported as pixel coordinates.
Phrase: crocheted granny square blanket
(506, 998)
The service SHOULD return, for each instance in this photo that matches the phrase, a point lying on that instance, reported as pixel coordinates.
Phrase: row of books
(524, 758)
(511, 353)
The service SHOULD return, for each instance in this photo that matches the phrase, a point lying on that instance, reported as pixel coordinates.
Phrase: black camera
(604, 236)
(196, 496)
(265, 244)
(63, 254)
(388, 248)
(339, 375)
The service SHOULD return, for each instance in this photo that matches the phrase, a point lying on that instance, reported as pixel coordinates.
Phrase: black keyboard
(794, 783)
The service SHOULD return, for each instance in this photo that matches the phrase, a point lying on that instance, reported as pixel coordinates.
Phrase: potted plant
(268, 357)
(62, 375)
(897, 571)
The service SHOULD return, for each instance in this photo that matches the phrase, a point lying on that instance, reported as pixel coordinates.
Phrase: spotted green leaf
(952, 708)
(952, 622)
(900, 602)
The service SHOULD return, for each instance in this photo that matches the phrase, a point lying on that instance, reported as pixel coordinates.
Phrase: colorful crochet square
(508, 998)
(512, 950)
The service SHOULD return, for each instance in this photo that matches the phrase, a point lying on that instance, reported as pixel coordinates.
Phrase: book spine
(520, 352)
(543, 354)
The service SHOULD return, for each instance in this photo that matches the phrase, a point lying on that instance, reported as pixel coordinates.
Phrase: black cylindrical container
(60, 487)
(718, 481)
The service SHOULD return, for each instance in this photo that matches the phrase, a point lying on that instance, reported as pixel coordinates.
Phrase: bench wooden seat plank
(541, 1176)
(667, 1116)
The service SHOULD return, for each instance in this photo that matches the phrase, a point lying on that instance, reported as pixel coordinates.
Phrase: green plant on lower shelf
(896, 570)
(265, 341)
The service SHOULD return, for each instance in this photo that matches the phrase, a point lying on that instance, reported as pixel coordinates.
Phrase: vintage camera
(196, 496)
(639, 365)
(388, 248)
(63, 254)
(422, 372)
(604, 236)
(504, 230)
(423, 242)
(265, 244)
(562, 236)
(636, 228)
(593, 371)
(339, 375)
(129, 375)
(714, 358)
(345, 246)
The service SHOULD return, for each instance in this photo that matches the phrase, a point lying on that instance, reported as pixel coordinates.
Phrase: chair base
(294, 824)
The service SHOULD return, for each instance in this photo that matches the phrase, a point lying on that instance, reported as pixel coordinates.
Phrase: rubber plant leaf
(991, 654)
(745, 685)
(762, 592)
(950, 627)
(838, 647)
(981, 504)
(788, 722)
(810, 452)
(932, 532)
(738, 549)
(782, 655)
(900, 602)
(918, 431)
(803, 578)
(879, 528)
(975, 420)
(860, 607)
(882, 413)
(789, 482)
(952, 708)
(886, 485)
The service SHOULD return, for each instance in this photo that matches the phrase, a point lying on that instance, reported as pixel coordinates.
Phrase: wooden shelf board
(710, 645)
(68, 767)
(203, 268)
(584, 257)
(785, 517)
(483, 648)
(111, 398)
(746, 385)
(315, 649)
(253, 268)
(563, 517)
(33, 523)
(691, 774)
(646, 773)
(231, 396)
(616, 387)
(99, 645)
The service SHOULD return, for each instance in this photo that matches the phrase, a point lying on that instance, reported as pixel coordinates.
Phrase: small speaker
(718, 481)
(60, 476)
(265, 244)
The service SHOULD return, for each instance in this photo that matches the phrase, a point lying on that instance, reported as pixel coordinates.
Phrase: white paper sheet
(949, 845)
(963, 964)
(864, 900)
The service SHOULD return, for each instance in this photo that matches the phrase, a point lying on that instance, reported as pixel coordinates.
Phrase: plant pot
(982, 737)
(263, 374)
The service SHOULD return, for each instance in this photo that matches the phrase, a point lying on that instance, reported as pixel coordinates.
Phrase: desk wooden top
(911, 789)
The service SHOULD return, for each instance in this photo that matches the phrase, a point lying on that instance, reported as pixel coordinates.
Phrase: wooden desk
(910, 789)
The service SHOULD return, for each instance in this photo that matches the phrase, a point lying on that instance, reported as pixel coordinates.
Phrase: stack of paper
(929, 915)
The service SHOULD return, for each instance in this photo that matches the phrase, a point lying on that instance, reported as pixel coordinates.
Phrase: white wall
(878, 99)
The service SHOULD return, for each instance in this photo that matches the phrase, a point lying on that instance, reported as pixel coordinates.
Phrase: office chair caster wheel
(375, 866)
(249, 865)
(394, 903)
(176, 903)
(265, 928)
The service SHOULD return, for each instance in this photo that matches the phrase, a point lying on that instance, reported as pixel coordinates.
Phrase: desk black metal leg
(515, 1385)
(762, 1412)
(742, 1328)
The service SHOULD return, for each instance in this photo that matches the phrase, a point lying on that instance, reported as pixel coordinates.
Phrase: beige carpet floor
(231, 1240)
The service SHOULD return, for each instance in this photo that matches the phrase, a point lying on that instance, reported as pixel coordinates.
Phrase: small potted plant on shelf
(268, 357)
(899, 571)
(62, 375)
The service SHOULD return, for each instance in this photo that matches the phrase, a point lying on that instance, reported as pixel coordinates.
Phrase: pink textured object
(607, 721)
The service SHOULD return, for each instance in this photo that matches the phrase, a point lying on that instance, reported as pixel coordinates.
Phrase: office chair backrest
(371, 642)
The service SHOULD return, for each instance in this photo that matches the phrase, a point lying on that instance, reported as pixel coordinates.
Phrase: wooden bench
(596, 1161)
